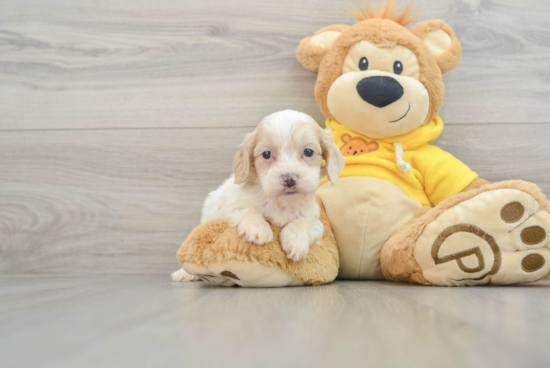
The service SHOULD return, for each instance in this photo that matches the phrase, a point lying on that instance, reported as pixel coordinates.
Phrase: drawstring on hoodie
(401, 163)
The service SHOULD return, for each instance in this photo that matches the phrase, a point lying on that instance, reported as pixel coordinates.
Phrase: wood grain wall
(117, 117)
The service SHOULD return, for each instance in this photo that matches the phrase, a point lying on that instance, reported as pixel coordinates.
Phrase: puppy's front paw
(295, 242)
(254, 231)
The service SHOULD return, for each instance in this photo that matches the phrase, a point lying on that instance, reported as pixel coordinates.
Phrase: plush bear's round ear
(440, 39)
(312, 49)
(346, 138)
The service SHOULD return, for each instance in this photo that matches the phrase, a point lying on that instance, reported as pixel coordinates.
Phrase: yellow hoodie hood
(425, 134)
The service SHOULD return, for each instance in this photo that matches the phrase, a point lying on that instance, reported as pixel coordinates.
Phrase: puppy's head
(285, 153)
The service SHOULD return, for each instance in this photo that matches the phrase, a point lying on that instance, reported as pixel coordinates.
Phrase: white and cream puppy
(276, 172)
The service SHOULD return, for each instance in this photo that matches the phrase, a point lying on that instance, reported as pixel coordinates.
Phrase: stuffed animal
(214, 252)
(403, 209)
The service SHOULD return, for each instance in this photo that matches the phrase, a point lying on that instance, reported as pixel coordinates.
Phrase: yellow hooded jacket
(435, 175)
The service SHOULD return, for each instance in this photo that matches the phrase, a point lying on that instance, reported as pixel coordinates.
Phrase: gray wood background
(117, 117)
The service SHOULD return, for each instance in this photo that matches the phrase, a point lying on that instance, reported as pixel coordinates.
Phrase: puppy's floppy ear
(441, 40)
(333, 157)
(312, 49)
(244, 159)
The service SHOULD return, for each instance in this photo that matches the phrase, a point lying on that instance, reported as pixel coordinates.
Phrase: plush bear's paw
(295, 241)
(180, 275)
(255, 231)
(499, 237)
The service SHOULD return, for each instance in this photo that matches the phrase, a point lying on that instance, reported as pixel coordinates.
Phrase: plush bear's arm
(444, 174)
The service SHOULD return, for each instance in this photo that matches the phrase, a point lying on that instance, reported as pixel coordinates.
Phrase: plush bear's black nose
(379, 91)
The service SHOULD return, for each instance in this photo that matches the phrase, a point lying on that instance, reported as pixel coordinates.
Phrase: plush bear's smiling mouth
(401, 118)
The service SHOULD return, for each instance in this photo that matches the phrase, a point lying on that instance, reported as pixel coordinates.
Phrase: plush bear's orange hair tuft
(387, 10)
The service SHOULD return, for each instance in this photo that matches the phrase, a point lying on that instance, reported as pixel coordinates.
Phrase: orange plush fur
(387, 10)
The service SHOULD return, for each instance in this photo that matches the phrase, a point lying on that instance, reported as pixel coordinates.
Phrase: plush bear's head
(377, 77)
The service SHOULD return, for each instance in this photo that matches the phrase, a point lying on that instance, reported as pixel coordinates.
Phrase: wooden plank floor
(147, 321)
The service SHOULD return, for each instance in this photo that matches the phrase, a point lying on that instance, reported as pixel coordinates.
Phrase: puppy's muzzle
(380, 91)
(289, 180)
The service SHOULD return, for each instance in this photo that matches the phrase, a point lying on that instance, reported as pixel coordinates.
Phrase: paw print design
(357, 146)
(498, 237)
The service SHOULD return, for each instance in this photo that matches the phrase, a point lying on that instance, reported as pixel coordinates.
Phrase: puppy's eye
(266, 155)
(397, 67)
(363, 63)
(308, 152)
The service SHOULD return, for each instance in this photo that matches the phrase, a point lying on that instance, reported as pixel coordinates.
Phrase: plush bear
(403, 209)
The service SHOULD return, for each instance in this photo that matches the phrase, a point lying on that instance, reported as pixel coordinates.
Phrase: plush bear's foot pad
(498, 236)
(245, 274)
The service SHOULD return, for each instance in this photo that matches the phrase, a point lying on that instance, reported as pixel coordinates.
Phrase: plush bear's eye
(363, 63)
(266, 155)
(397, 67)
(308, 152)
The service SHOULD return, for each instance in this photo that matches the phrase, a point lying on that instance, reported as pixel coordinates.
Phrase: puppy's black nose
(289, 181)
(379, 91)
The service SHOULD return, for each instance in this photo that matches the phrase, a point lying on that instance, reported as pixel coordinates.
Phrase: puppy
(276, 173)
